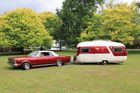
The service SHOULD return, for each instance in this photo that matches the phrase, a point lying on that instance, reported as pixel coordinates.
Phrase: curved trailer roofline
(99, 43)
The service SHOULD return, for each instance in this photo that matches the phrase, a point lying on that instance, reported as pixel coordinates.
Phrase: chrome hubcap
(27, 65)
(59, 63)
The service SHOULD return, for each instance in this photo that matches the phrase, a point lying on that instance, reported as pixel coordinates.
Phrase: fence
(11, 49)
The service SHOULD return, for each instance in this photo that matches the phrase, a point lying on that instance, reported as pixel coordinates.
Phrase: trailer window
(84, 50)
(118, 49)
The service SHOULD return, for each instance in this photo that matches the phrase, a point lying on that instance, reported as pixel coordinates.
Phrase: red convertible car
(38, 58)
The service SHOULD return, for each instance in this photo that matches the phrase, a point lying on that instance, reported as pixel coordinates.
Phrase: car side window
(45, 54)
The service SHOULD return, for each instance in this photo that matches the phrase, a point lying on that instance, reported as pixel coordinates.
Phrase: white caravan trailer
(100, 51)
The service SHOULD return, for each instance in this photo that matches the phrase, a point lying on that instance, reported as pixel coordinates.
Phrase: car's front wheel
(26, 66)
(59, 63)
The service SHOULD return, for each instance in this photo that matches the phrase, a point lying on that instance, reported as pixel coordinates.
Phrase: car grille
(12, 63)
(11, 60)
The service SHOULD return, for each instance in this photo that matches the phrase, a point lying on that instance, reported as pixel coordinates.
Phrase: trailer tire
(104, 62)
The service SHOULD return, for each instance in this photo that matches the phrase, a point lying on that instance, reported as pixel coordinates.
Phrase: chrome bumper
(14, 64)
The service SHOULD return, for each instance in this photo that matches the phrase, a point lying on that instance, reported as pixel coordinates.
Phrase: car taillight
(74, 59)
(77, 54)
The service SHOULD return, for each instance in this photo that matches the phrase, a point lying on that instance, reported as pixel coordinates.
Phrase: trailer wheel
(104, 62)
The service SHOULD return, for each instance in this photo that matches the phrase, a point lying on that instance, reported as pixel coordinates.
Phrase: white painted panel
(91, 58)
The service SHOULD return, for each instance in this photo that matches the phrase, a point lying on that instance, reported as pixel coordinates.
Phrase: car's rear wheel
(59, 63)
(26, 66)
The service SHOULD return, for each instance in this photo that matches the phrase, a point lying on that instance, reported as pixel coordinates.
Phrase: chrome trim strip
(11, 64)
(43, 65)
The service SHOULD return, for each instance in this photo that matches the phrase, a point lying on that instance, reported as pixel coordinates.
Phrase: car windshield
(33, 54)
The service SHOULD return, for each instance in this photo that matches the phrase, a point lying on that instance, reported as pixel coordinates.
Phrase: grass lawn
(72, 78)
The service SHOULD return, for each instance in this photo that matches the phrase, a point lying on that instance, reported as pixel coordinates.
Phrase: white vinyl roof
(99, 43)
(48, 51)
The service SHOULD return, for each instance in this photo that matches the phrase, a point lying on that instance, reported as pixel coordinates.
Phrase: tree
(74, 14)
(23, 28)
(136, 20)
(3, 39)
(94, 28)
(118, 23)
(52, 23)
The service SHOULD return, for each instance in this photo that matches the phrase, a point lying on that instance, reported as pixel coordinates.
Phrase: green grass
(132, 51)
(72, 78)
(70, 53)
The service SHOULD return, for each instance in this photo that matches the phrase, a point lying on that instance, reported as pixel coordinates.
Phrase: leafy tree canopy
(52, 23)
(94, 29)
(117, 23)
(74, 15)
(22, 27)
(3, 40)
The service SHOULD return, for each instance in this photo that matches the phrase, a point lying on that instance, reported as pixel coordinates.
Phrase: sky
(125, 1)
(39, 5)
(36, 5)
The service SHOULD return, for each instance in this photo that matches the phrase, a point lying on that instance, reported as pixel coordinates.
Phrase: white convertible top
(99, 43)
(49, 51)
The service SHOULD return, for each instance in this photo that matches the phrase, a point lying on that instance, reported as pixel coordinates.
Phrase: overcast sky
(125, 1)
(39, 5)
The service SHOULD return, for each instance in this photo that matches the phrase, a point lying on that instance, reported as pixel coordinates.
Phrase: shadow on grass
(37, 67)
(12, 68)
(97, 64)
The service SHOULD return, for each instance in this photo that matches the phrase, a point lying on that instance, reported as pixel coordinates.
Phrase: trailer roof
(100, 43)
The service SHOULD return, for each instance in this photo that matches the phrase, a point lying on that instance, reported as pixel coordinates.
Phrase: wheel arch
(60, 60)
(104, 62)
(26, 61)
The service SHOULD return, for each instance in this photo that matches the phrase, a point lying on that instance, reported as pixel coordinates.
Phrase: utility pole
(60, 40)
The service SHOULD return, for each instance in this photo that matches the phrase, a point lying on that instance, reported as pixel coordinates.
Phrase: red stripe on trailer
(118, 50)
(92, 50)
